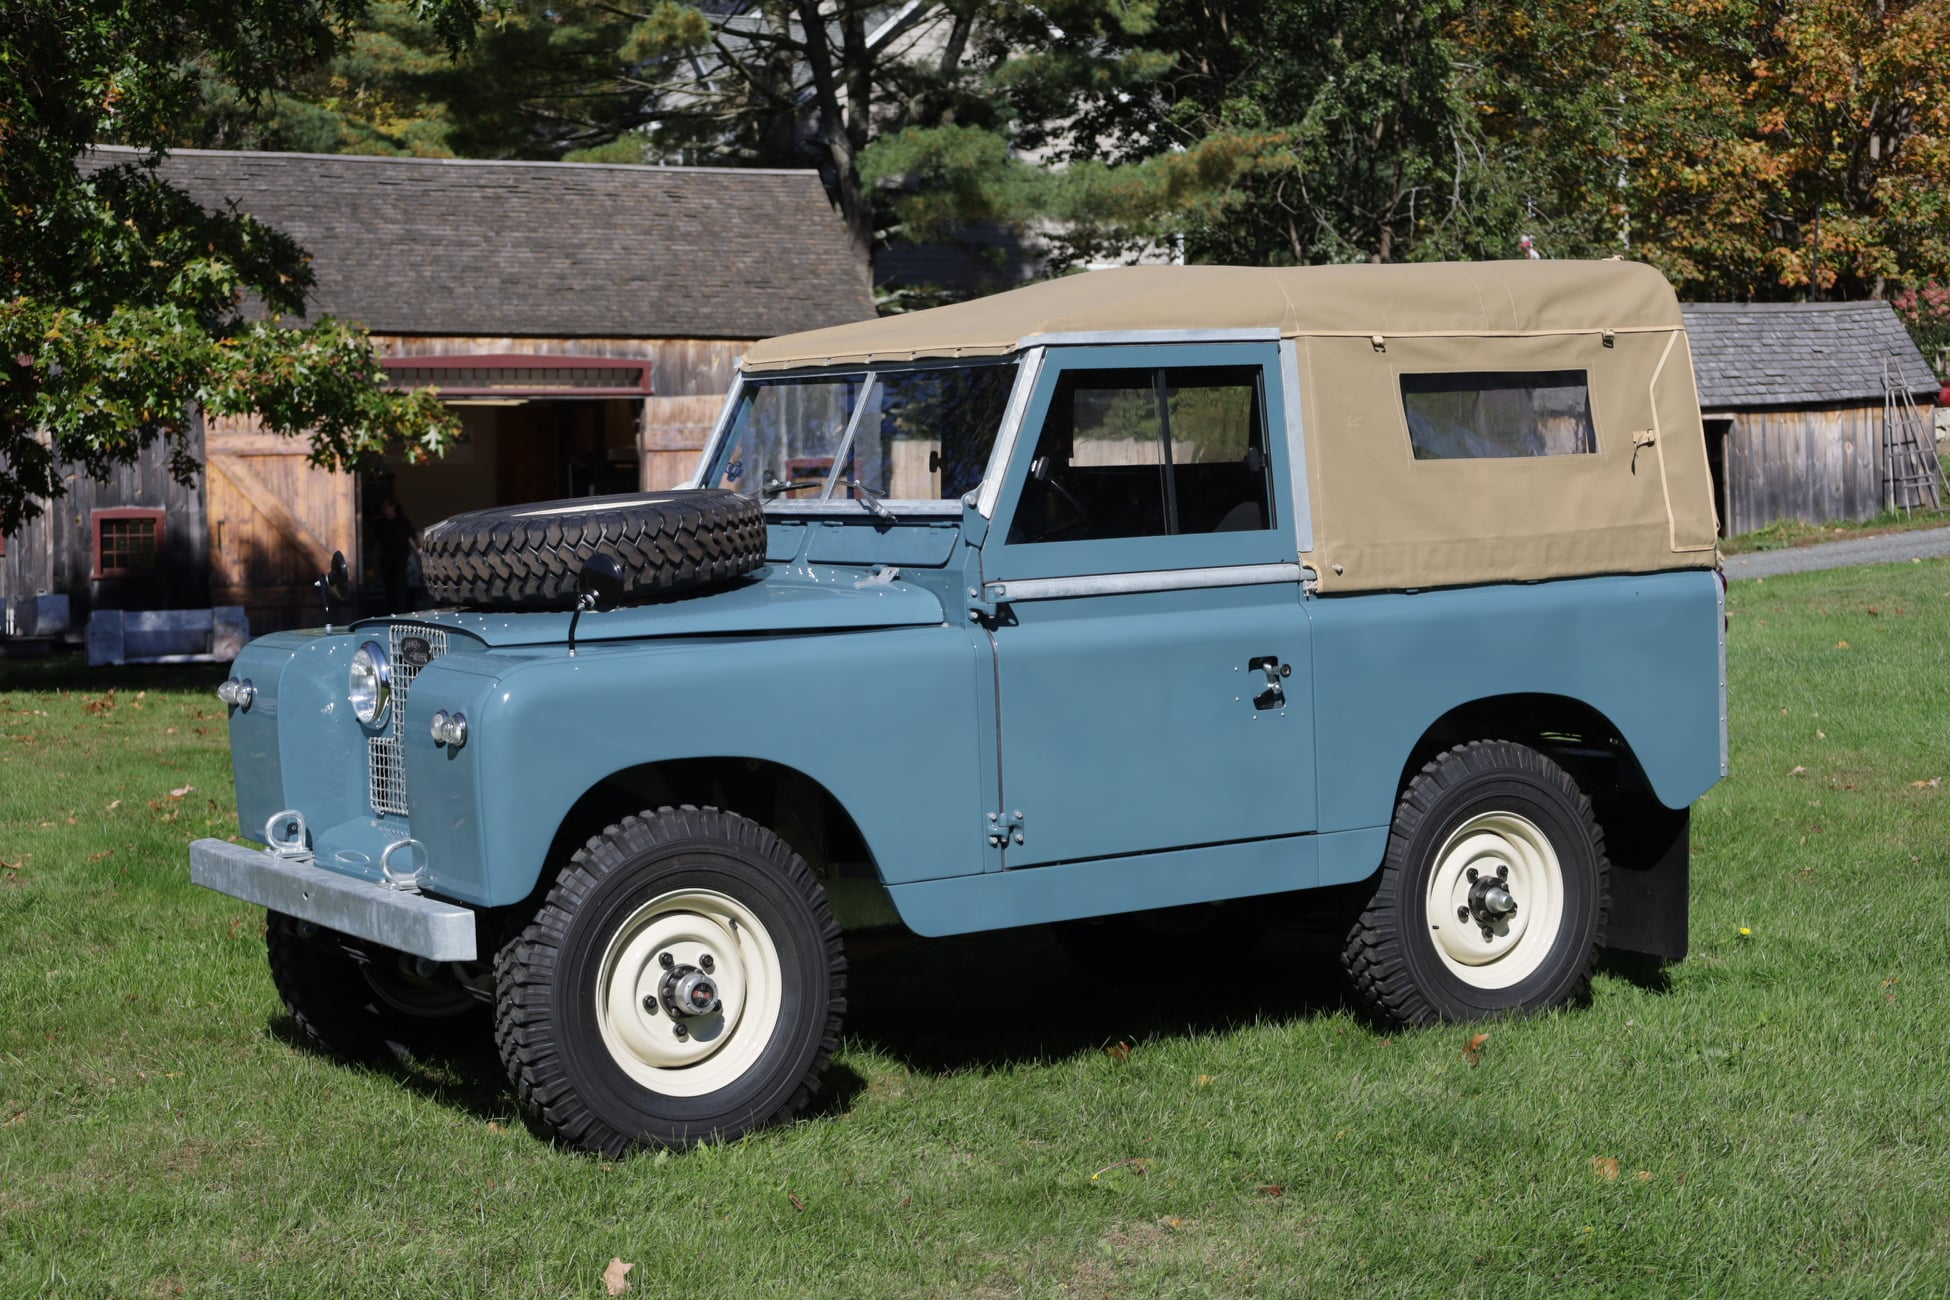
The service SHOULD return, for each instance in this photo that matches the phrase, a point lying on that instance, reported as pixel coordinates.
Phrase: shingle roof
(1800, 353)
(463, 247)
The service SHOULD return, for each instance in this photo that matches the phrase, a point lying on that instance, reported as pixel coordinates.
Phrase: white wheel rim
(714, 1050)
(1518, 943)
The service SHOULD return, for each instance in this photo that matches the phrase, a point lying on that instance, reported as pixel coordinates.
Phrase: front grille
(387, 761)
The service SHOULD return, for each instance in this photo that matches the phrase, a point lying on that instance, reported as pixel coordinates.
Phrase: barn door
(275, 520)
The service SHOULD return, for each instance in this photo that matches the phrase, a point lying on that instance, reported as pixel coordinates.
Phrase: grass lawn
(1767, 1116)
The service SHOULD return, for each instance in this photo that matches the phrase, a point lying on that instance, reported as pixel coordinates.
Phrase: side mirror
(338, 580)
(599, 587)
(600, 584)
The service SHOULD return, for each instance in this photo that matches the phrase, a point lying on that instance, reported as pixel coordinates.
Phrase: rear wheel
(683, 983)
(1493, 894)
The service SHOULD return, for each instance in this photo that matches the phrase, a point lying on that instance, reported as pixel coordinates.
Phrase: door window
(1148, 452)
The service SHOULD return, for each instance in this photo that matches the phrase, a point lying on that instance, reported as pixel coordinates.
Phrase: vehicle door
(1150, 645)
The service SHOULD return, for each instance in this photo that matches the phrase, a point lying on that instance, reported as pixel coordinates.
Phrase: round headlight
(370, 684)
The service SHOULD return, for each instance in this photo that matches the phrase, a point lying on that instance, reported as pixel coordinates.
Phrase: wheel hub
(1495, 899)
(687, 991)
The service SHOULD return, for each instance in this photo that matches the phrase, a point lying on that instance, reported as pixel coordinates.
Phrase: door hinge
(983, 601)
(1004, 829)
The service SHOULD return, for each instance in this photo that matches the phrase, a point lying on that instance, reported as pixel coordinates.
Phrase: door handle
(1273, 694)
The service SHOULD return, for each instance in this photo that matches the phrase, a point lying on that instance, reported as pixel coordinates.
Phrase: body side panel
(1643, 651)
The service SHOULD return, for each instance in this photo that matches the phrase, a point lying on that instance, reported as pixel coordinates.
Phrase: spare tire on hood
(529, 556)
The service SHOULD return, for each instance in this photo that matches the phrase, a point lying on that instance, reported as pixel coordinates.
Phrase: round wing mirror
(600, 584)
(338, 581)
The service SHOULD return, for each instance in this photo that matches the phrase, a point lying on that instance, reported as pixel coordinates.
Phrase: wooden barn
(1813, 411)
(583, 320)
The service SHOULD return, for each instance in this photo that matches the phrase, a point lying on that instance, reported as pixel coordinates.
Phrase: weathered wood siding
(54, 554)
(1813, 465)
(275, 520)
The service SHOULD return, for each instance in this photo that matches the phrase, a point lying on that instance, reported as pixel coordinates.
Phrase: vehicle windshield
(920, 434)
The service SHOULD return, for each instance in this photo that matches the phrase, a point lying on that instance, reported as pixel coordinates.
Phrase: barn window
(128, 543)
(1501, 414)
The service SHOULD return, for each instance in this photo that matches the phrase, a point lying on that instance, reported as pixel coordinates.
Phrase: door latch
(1273, 694)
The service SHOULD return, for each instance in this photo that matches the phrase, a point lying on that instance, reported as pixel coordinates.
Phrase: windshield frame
(1026, 365)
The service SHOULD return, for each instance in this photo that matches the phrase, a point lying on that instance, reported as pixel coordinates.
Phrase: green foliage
(121, 300)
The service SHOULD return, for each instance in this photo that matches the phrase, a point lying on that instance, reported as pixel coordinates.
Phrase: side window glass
(1501, 414)
(1148, 453)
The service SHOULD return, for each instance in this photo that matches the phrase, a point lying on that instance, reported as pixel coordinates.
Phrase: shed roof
(1397, 299)
(449, 246)
(1801, 353)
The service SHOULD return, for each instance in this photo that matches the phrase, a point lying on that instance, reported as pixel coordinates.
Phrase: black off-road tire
(1414, 960)
(368, 1011)
(595, 1067)
(529, 556)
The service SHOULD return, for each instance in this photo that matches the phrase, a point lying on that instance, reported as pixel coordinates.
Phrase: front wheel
(1493, 893)
(683, 983)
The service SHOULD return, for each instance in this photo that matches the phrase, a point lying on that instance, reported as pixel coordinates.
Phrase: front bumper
(364, 909)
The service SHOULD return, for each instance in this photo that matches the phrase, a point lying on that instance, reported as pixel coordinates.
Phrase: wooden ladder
(1911, 473)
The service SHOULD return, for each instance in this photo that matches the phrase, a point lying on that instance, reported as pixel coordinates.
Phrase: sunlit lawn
(1767, 1117)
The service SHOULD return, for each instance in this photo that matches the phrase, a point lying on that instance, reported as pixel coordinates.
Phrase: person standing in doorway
(397, 544)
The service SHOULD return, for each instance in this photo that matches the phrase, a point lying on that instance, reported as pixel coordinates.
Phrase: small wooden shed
(583, 320)
(1812, 411)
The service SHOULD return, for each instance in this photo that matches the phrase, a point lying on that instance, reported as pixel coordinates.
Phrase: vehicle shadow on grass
(1014, 996)
(466, 1075)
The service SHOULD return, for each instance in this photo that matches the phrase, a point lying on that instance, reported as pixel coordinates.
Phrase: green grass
(1784, 534)
(1774, 1105)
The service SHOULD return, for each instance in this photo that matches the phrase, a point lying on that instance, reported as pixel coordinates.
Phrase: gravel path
(1890, 548)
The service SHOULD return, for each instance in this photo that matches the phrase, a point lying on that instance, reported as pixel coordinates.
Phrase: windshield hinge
(984, 601)
(1004, 829)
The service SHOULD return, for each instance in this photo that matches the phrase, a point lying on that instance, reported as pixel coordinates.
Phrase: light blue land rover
(1143, 589)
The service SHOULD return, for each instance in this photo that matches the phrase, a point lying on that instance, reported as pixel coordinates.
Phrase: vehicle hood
(772, 599)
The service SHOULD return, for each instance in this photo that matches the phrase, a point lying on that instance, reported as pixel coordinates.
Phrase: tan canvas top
(1396, 299)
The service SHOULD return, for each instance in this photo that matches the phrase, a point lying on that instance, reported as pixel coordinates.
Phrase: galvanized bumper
(410, 922)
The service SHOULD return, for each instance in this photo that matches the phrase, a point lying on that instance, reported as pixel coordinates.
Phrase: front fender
(884, 719)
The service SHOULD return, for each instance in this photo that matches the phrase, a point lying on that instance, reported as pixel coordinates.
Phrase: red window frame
(96, 518)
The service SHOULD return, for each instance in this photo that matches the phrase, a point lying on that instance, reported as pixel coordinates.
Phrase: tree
(1749, 148)
(121, 301)
(1304, 131)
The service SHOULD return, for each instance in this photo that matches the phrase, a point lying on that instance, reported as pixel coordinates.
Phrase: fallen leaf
(1797, 770)
(1645, 1175)
(1606, 1167)
(1204, 1080)
(1874, 610)
(1841, 645)
(1118, 1051)
(1930, 784)
(616, 1278)
(1270, 1189)
(114, 804)
(494, 1126)
(181, 791)
(105, 853)
(1473, 1050)
(1820, 734)
(797, 1204)
(1173, 1222)
(16, 1118)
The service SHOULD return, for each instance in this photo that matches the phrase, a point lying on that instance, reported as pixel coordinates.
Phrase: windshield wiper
(871, 498)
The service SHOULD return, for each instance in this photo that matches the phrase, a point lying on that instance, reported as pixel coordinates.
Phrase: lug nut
(1462, 914)
(1471, 873)
(665, 960)
(1503, 873)
(679, 1030)
(1488, 933)
(707, 962)
(650, 1004)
